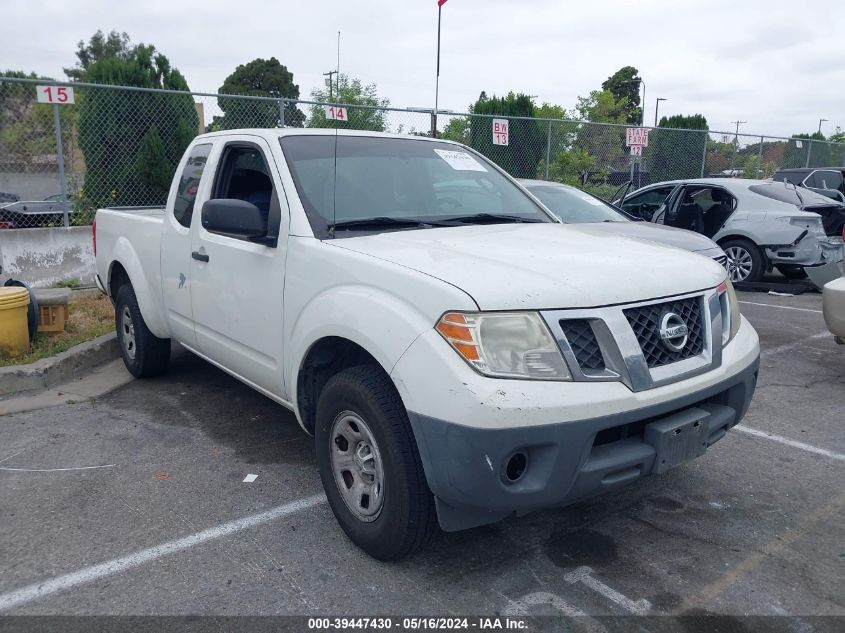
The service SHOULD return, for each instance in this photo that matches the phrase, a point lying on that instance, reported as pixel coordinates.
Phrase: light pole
(656, 106)
(820, 124)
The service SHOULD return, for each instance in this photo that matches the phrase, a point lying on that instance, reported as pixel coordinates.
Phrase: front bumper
(466, 467)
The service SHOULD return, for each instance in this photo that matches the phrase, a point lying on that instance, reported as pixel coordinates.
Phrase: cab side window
(243, 175)
(189, 182)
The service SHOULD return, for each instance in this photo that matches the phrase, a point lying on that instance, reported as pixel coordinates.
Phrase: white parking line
(66, 581)
(772, 305)
(771, 351)
(584, 575)
(788, 442)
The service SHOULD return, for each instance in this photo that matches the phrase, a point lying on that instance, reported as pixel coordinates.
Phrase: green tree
(527, 138)
(258, 78)
(625, 84)
(100, 46)
(457, 129)
(350, 92)
(154, 172)
(812, 154)
(674, 153)
(118, 130)
(27, 134)
(605, 143)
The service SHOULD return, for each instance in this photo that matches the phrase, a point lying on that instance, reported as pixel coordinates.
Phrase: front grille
(645, 321)
(722, 260)
(583, 342)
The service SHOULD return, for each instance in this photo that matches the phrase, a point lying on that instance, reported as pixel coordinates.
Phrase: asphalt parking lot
(136, 504)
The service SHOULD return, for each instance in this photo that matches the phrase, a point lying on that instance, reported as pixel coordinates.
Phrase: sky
(776, 65)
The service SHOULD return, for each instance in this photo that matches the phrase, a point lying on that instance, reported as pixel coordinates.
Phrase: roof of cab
(277, 132)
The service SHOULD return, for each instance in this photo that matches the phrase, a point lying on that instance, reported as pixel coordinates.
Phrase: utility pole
(656, 106)
(736, 142)
(820, 124)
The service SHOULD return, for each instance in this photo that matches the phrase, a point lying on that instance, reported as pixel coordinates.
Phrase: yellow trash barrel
(14, 328)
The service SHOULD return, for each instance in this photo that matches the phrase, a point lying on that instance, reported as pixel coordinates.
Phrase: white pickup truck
(458, 354)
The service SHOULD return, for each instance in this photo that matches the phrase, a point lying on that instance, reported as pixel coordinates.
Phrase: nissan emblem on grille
(673, 332)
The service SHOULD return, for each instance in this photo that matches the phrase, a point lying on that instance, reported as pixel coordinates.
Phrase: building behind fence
(121, 145)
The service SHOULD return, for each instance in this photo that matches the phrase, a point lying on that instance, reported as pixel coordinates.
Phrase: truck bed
(131, 230)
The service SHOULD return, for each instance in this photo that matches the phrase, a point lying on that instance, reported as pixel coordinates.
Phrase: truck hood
(679, 238)
(542, 266)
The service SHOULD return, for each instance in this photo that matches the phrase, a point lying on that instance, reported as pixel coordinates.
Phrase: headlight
(505, 344)
(730, 311)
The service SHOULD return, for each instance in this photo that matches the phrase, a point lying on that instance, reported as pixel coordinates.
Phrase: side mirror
(234, 217)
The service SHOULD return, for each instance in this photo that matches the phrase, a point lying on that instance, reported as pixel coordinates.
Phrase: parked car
(574, 206)
(828, 181)
(759, 224)
(34, 213)
(8, 197)
(458, 354)
(833, 299)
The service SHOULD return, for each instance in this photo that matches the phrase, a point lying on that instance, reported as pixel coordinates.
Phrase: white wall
(42, 257)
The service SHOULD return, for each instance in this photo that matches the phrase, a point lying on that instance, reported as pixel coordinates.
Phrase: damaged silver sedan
(760, 225)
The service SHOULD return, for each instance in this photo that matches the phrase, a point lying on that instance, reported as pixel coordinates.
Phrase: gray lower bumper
(466, 467)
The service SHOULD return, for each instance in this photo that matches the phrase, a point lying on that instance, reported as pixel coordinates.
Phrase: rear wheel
(792, 272)
(745, 260)
(144, 354)
(370, 466)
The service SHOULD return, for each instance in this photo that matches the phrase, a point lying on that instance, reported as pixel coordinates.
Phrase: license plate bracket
(678, 438)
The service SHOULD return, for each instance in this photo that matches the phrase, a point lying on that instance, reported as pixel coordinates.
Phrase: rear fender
(149, 297)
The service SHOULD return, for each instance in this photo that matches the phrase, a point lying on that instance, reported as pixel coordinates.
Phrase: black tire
(746, 262)
(792, 272)
(144, 354)
(407, 518)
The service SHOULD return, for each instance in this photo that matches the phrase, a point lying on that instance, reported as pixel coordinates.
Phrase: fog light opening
(515, 466)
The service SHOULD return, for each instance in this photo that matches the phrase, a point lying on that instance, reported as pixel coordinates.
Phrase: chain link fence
(120, 146)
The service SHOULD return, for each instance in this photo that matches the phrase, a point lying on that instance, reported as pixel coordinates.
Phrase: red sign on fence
(54, 94)
(500, 132)
(636, 137)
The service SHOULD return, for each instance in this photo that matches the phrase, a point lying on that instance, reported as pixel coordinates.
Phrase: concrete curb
(49, 372)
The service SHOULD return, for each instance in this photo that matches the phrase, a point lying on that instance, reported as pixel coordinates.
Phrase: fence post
(282, 112)
(548, 148)
(809, 149)
(704, 153)
(60, 159)
(759, 159)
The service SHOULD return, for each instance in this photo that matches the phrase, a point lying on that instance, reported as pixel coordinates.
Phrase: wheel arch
(326, 357)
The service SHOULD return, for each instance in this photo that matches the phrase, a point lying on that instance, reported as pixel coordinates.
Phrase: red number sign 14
(335, 113)
(54, 94)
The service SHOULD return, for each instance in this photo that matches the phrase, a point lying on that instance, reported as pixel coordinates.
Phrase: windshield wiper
(491, 218)
(384, 222)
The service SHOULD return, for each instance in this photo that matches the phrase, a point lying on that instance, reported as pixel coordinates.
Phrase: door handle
(200, 257)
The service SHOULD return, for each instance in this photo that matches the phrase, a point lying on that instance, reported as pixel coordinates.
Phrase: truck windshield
(365, 184)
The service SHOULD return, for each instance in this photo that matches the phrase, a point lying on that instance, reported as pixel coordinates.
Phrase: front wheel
(745, 260)
(369, 465)
(144, 354)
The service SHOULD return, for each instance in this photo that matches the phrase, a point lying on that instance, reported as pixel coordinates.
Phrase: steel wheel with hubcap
(144, 354)
(357, 467)
(370, 466)
(745, 261)
(128, 330)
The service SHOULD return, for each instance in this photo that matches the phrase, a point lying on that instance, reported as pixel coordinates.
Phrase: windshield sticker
(460, 161)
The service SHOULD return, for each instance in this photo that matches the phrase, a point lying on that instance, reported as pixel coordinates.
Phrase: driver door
(238, 284)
